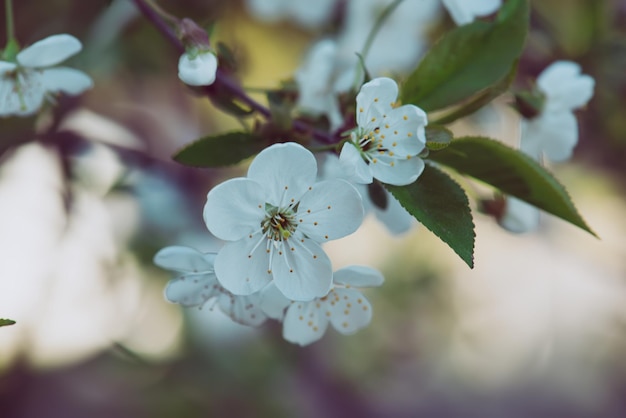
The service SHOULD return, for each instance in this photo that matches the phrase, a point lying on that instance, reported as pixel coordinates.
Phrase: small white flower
(306, 13)
(554, 132)
(25, 83)
(197, 68)
(198, 284)
(275, 220)
(465, 11)
(344, 307)
(387, 139)
(519, 216)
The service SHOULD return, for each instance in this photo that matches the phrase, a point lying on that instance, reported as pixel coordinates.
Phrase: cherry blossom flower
(25, 83)
(197, 68)
(198, 284)
(275, 220)
(554, 132)
(344, 307)
(519, 216)
(465, 11)
(387, 139)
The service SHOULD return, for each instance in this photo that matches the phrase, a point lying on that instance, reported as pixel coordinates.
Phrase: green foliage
(512, 173)
(469, 59)
(437, 137)
(441, 205)
(219, 150)
(5, 322)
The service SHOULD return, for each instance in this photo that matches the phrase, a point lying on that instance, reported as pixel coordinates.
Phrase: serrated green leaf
(511, 172)
(441, 205)
(220, 150)
(5, 322)
(437, 137)
(469, 59)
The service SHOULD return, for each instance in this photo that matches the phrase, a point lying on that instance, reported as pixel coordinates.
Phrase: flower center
(369, 143)
(279, 223)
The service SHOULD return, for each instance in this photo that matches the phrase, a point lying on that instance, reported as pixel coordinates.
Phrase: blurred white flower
(198, 284)
(554, 132)
(344, 307)
(305, 13)
(197, 68)
(387, 140)
(519, 216)
(465, 11)
(275, 219)
(25, 83)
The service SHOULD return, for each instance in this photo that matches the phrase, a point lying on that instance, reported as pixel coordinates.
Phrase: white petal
(350, 312)
(266, 10)
(6, 67)
(22, 94)
(285, 170)
(234, 209)
(67, 80)
(192, 289)
(241, 268)
(401, 173)
(184, 260)
(49, 51)
(394, 217)
(304, 323)
(565, 87)
(554, 134)
(375, 98)
(273, 302)
(358, 276)
(519, 216)
(199, 70)
(311, 15)
(244, 310)
(465, 11)
(331, 209)
(303, 271)
(354, 167)
(9, 100)
(403, 131)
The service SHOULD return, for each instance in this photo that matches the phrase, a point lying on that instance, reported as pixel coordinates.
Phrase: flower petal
(244, 310)
(198, 70)
(398, 172)
(285, 170)
(192, 289)
(350, 312)
(49, 51)
(375, 98)
(273, 302)
(403, 131)
(302, 271)
(235, 208)
(23, 94)
(331, 209)
(465, 11)
(554, 134)
(358, 276)
(354, 167)
(184, 260)
(565, 87)
(394, 217)
(304, 323)
(67, 80)
(519, 216)
(242, 267)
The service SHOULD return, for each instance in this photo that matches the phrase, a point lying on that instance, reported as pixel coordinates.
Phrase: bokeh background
(88, 194)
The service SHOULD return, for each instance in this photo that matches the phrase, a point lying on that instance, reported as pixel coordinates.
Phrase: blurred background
(88, 194)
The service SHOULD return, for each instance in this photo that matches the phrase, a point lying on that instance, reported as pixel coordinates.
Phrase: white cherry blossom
(198, 285)
(25, 83)
(519, 216)
(344, 307)
(554, 132)
(387, 140)
(197, 68)
(465, 11)
(305, 13)
(275, 220)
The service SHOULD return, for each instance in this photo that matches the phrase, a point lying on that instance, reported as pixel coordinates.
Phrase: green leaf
(511, 172)
(220, 150)
(468, 59)
(5, 322)
(437, 137)
(441, 205)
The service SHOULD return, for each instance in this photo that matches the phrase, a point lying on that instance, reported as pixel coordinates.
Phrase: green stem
(379, 23)
(9, 17)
